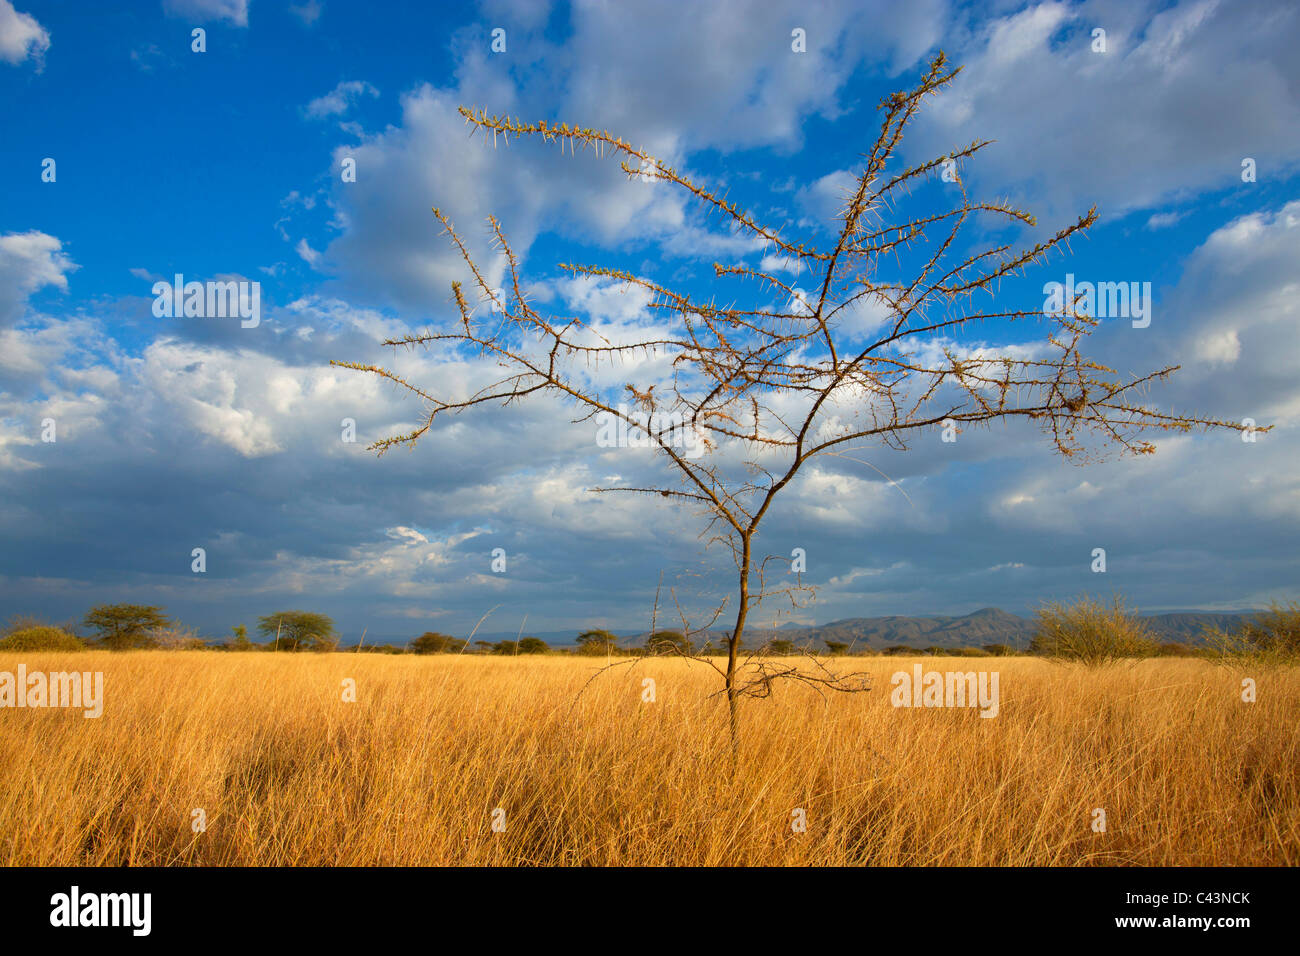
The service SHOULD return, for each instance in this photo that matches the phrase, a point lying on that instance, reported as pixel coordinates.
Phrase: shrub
(41, 639)
(1091, 632)
(1277, 629)
(1174, 649)
(175, 638)
(999, 650)
(1273, 634)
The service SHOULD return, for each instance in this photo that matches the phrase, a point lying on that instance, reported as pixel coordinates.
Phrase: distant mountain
(988, 625)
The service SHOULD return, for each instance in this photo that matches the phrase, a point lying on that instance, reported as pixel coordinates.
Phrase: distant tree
(434, 642)
(533, 645)
(999, 650)
(299, 631)
(240, 641)
(668, 642)
(837, 647)
(597, 642)
(123, 626)
(780, 647)
(896, 649)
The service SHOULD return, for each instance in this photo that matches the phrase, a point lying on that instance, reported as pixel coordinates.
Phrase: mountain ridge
(988, 625)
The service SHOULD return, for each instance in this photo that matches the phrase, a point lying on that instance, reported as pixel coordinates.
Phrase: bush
(174, 638)
(999, 650)
(1277, 629)
(41, 639)
(1174, 649)
(1273, 634)
(1091, 632)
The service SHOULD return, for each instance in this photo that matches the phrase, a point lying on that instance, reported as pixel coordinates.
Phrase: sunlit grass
(289, 774)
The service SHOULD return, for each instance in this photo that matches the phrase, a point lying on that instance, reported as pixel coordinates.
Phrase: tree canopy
(299, 631)
(122, 626)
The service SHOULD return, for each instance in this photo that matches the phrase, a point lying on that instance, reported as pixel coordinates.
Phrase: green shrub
(41, 639)
(1091, 632)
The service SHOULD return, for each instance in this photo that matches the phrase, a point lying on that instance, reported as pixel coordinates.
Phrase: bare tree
(780, 385)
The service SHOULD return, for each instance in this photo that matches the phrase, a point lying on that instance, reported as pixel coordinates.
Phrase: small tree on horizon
(124, 626)
(765, 385)
(299, 630)
(435, 642)
(597, 642)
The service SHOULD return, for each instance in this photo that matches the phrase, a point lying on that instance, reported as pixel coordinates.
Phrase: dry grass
(290, 775)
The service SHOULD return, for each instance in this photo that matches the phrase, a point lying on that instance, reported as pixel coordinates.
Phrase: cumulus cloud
(21, 37)
(29, 261)
(1191, 88)
(747, 90)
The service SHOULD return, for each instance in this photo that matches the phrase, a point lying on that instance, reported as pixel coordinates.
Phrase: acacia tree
(762, 389)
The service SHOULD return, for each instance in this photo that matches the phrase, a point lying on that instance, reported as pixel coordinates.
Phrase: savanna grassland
(290, 774)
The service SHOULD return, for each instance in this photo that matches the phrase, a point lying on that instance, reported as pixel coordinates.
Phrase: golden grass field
(289, 774)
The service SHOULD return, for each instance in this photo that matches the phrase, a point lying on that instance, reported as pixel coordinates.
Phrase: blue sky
(175, 434)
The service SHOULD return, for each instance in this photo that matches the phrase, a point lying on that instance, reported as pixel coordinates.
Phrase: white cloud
(307, 253)
(204, 11)
(308, 13)
(1192, 88)
(21, 37)
(338, 100)
(29, 261)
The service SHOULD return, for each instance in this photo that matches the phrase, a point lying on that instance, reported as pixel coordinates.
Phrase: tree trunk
(733, 647)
